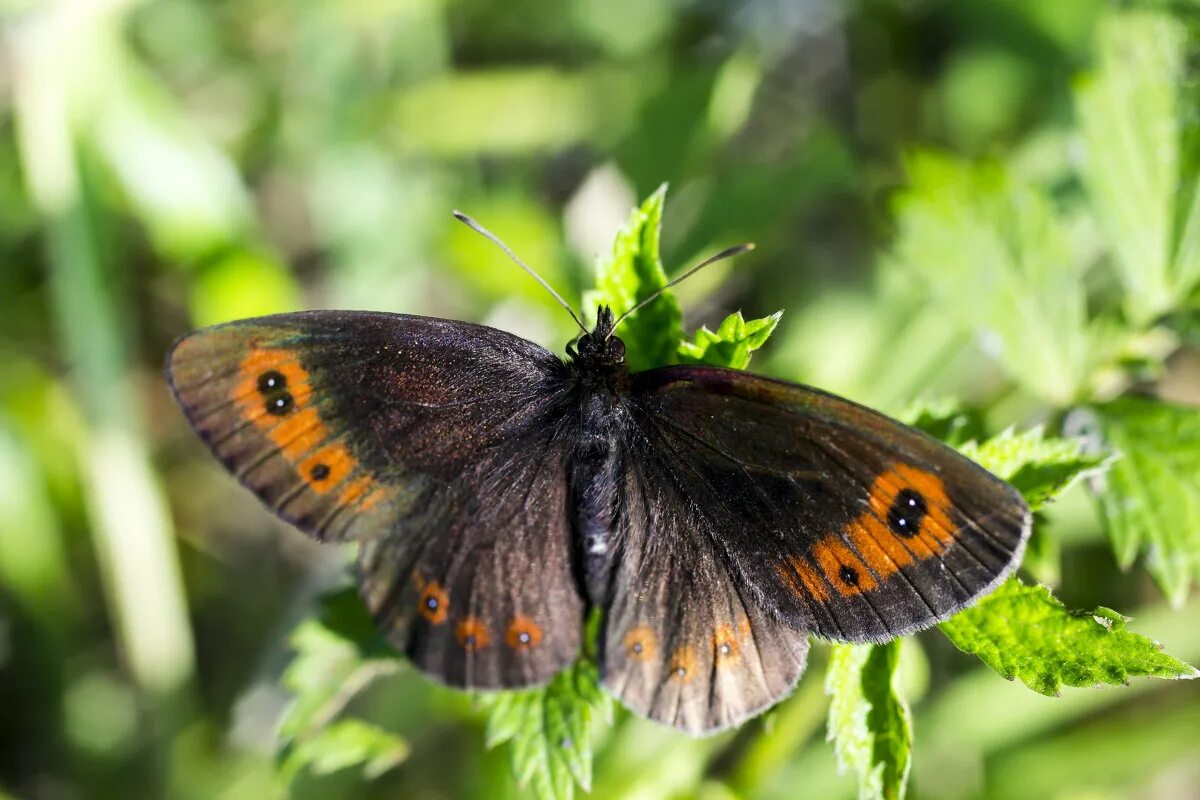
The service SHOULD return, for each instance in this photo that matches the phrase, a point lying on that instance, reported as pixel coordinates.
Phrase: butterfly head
(599, 348)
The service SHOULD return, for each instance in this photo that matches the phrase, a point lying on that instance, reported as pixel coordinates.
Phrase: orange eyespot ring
(472, 634)
(433, 603)
(640, 644)
(726, 649)
(682, 666)
(523, 634)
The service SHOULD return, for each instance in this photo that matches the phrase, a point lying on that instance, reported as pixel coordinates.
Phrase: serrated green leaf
(1130, 114)
(734, 341)
(869, 722)
(945, 419)
(548, 731)
(343, 744)
(993, 255)
(1023, 632)
(1151, 498)
(631, 274)
(1043, 554)
(338, 653)
(1040, 468)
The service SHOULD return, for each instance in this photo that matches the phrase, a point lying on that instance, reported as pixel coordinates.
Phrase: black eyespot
(280, 404)
(523, 637)
(469, 640)
(431, 603)
(908, 511)
(637, 647)
(319, 472)
(849, 575)
(271, 381)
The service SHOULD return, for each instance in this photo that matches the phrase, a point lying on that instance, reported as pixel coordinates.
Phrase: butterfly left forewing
(847, 523)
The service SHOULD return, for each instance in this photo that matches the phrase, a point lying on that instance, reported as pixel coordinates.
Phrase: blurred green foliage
(989, 207)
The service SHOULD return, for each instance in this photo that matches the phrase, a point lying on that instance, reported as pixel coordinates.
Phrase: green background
(175, 163)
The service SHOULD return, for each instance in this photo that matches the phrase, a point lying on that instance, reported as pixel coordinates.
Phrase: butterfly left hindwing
(412, 436)
(685, 642)
(777, 510)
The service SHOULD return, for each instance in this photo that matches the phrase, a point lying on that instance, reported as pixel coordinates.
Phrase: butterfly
(497, 494)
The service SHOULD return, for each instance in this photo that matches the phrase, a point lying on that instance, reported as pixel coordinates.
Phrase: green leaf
(734, 341)
(338, 653)
(548, 731)
(993, 255)
(945, 419)
(868, 720)
(1040, 468)
(344, 744)
(1023, 632)
(1043, 554)
(1130, 114)
(1151, 498)
(632, 274)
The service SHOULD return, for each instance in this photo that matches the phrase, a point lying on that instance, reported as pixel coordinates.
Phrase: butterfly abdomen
(596, 468)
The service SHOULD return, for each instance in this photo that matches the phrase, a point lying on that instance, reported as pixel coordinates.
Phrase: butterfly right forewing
(440, 446)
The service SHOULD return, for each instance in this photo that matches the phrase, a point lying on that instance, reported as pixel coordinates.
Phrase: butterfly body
(497, 493)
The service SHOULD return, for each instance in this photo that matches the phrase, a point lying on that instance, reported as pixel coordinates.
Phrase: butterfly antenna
(728, 252)
(482, 231)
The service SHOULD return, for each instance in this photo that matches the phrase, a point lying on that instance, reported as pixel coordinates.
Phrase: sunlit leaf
(1040, 467)
(1131, 115)
(945, 419)
(1151, 498)
(548, 731)
(869, 723)
(732, 344)
(347, 743)
(629, 276)
(1023, 632)
(993, 254)
(338, 653)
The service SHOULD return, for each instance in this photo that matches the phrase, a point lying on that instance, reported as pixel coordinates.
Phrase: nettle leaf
(946, 419)
(632, 274)
(338, 653)
(548, 731)
(347, 743)
(869, 722)
(734, 341)
(1150, 499)
(994, 256)
(1132, 117)
(1023, 632)
(1041, 468)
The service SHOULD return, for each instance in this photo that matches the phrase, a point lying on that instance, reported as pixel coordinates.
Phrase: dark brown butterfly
(497, 493)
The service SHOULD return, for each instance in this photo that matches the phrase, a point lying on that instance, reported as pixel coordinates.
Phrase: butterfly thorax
(597, 359)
